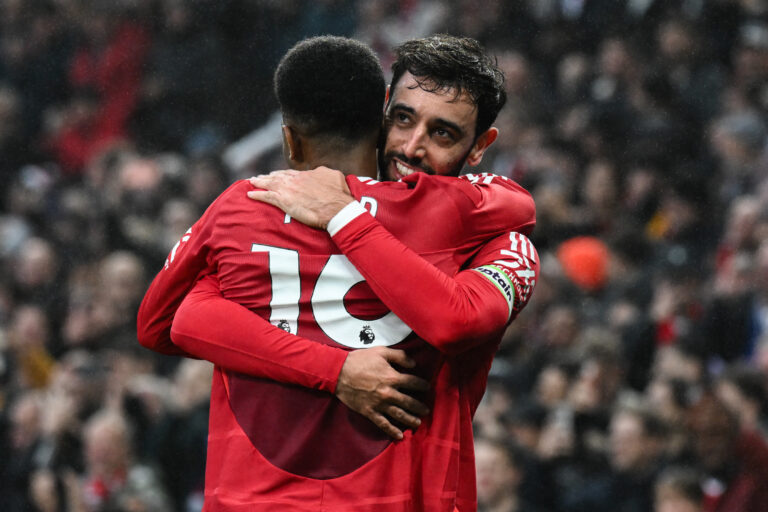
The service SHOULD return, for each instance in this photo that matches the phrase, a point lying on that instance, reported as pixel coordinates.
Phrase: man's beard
(385, 159)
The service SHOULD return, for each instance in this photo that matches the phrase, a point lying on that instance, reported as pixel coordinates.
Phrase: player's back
(295, 277)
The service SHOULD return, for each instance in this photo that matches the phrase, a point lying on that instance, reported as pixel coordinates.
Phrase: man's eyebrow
(406, 108)
(440, 121)
(450, 124)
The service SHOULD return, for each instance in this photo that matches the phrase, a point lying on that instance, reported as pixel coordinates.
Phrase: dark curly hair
(331, 86)
(442, 62)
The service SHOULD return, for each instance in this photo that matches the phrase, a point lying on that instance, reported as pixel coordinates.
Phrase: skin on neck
(304, 153)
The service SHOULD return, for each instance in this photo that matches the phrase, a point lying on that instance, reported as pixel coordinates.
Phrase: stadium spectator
(112, 478)
(734, 462)
(678, 489)
(500, 473)
(742, 389)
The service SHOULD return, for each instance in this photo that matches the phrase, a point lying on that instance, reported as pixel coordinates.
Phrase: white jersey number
(335, 280)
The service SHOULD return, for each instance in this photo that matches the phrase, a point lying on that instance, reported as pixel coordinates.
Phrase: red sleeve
(497, 202)
(452, 313)
(221, 331)
(186, 262)
(511, 263)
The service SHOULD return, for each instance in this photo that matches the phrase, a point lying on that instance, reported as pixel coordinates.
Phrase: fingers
(398, 357)
(265, 196)
(408, 404)
(413, 382)
(265, 181)
(273, 176)
(385, 425)
(256, 181)
(403, 417)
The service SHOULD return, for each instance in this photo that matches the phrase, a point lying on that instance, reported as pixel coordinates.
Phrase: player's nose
(415, 146)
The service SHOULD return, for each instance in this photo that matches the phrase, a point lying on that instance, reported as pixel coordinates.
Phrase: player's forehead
(431, 105)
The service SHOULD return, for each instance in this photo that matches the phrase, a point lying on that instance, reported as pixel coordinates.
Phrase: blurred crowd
(634, 381)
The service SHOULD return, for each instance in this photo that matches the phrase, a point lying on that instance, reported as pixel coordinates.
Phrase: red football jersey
(274, 445)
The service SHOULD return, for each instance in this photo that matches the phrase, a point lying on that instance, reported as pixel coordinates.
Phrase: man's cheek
(451, 168)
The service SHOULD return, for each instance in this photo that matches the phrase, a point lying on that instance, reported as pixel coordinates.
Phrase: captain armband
(502, 281)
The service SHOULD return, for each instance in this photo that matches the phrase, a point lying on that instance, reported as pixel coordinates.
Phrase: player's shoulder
(237, 187)
(365, 183)
(487, 194)
(233, 202)
(495, 183)
(234, 192)
(479, 188)
(496, 199)
(467, 183)
(420, 180)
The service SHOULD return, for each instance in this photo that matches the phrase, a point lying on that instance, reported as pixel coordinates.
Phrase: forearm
(452, 313)
(153, 323)
(210, 327)
(185, 264)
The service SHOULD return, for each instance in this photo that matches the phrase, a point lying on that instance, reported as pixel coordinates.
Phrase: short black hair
(442, 62)
(331, 86)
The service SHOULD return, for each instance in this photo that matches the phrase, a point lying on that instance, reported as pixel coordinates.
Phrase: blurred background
(634, 381)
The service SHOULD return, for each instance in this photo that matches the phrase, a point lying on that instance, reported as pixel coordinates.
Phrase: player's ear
(292, 146)
(481, 144)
